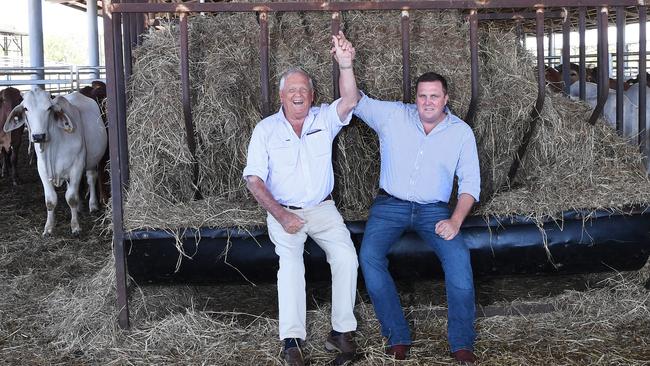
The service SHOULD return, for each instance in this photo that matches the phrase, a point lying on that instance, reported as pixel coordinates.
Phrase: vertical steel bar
(115, 120)
(539, 104)
(541, 78)
(406, 53)
(335, 27)
(520, 35)
(582, 30)
(121, 97)
(264, 63)
(93, 38)
(620, 66)
(139, 25)
(566, 52)
(126, 24)
(643, 128)
(187, 107)
(551, 45)
(473, 46)
(603, 67)
(133, 26)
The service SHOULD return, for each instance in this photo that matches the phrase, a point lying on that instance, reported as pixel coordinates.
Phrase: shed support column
(93, 38)
(36, 54)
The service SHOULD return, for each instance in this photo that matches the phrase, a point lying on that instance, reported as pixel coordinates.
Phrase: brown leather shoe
(399, 351)
(465, 357)
(344, 345)
(293, 357)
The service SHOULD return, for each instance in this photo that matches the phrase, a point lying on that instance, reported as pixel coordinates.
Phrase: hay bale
(565, 152)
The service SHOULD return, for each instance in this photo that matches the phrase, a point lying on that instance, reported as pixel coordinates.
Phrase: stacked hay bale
(224, 74)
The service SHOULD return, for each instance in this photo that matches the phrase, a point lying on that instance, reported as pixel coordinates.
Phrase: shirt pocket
(318, 142)
(282, 156)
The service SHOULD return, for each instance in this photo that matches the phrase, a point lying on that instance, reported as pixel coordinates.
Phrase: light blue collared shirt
(418, 167)
(296, 170)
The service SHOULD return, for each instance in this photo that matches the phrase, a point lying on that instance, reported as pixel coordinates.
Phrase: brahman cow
(69, 136)
(630, 110)
(9, 142)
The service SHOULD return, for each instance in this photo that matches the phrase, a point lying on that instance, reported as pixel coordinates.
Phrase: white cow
(630, 110)
(69, 136)
(633, 94)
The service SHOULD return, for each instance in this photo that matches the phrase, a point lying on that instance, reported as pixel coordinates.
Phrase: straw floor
(58, 308)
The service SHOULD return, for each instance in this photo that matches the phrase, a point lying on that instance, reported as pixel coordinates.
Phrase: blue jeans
(389, 218)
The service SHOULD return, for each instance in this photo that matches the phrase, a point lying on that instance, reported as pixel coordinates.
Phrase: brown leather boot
(464, 357)
(399, 351)
(344, 345)
(293, 357)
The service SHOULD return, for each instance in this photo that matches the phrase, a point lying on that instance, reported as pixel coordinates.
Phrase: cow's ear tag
(65, 122)
(67, 126)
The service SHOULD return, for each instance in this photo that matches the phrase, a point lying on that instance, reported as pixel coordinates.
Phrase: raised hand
(342, 50)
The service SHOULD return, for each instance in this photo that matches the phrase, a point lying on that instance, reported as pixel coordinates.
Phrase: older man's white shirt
(296, 170)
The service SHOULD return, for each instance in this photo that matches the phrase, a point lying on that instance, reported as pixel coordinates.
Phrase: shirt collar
(305, 124)
(449, 119)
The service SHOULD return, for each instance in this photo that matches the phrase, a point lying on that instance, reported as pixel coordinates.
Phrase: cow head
(39, 112)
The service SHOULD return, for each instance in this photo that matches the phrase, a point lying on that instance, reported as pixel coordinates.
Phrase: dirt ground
(57, 307)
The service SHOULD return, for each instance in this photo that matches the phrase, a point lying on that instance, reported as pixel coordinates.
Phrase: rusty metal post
(473, 46)
(582, 29)
(133, 26)
(116, 119)
(126, 25)
(566, 52)
(620, 66)
(603, 68)
(643, 128)
(264, 63)
(406, 52)
(139, 25)
(541, 77)
(539, 104)
(186, 100)
(335, 27)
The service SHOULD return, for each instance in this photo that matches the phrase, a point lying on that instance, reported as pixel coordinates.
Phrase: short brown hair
(432, 76)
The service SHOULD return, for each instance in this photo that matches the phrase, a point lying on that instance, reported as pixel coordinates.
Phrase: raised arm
(344, 52)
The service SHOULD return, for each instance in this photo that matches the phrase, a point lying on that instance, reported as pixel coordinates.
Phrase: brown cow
(97, 92)
(9, 142)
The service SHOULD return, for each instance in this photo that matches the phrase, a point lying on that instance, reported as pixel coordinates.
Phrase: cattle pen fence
(58, 79)
(124, 23)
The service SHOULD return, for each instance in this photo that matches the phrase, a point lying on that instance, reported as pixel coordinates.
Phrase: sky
(57, 19)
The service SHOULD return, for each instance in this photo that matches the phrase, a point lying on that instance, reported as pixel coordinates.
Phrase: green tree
(65, 49)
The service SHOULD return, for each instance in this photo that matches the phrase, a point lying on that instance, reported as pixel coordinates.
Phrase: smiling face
(431, 101)
(296, 96)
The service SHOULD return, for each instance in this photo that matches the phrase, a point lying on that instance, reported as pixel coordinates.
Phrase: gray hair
(295, 70)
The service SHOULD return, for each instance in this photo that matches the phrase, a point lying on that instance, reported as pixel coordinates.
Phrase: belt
(328, 197)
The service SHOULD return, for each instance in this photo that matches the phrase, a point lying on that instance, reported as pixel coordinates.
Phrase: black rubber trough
(599, 241)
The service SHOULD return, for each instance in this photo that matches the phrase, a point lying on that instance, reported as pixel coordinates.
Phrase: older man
(423, 146)
(289, 172)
